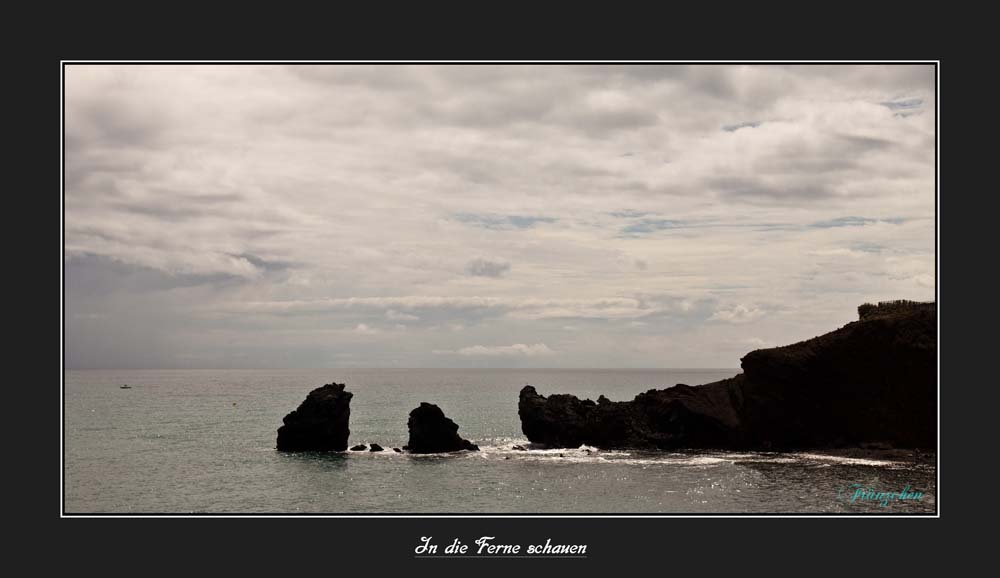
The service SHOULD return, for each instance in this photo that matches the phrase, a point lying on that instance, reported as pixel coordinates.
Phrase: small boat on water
(126, 386)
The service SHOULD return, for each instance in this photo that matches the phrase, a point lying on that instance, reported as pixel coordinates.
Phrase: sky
(336, 216)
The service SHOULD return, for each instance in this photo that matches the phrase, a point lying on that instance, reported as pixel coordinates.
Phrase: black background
(39, 537)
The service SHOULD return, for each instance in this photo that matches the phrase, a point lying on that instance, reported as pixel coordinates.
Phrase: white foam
(849, 461)
(503, 449)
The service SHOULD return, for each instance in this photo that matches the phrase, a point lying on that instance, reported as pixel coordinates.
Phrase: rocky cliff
(320, 423)
(871, 382)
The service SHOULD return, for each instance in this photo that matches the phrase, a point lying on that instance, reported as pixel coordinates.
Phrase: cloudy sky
(487, 216)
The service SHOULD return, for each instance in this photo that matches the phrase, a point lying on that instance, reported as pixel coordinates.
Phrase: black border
(504, 516)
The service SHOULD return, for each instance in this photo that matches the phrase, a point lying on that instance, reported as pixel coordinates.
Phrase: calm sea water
(203, 441)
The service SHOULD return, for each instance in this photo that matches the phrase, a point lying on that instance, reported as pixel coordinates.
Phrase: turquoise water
(202, 441)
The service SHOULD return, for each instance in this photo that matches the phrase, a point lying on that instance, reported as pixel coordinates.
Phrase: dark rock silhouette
(320, 423)
(359, 448)
(870, 383)
(375, 448)
(397, 450)
(432, 432)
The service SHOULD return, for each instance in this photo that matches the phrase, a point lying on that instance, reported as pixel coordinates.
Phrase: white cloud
(517, 349)
(394, 315)
(738, 314)
(364, 329)
(527, 308)
(841, 252)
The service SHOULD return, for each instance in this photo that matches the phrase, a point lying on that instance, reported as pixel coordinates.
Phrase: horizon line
(395, 368)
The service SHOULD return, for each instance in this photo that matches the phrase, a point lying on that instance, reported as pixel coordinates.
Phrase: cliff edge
(870, 383)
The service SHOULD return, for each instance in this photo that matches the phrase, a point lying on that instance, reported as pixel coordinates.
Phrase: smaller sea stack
(431, 432)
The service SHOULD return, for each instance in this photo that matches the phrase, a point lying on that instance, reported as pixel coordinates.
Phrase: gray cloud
(285, 216)
(265, 264)
(485, 268)
(739, 125)
(96, 275)
(763, 190)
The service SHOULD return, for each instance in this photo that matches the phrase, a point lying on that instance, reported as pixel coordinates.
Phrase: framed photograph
(499, 289)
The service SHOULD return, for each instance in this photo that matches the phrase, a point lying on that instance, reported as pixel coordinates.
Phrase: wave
(504, 448)
(519, 449)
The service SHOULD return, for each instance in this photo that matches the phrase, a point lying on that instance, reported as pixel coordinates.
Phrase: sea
(203, 442)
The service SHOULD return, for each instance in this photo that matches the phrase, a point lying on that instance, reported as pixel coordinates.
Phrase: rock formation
(872, 381)
(376, 448)
(432, 432)
(320, 423)
(359, 448)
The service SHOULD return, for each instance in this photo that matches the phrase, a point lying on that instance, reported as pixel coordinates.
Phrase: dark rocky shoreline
(869, 384)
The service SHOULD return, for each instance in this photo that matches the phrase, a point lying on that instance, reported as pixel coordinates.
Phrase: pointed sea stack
(431, 432)
(871, 383)
(320, 423)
